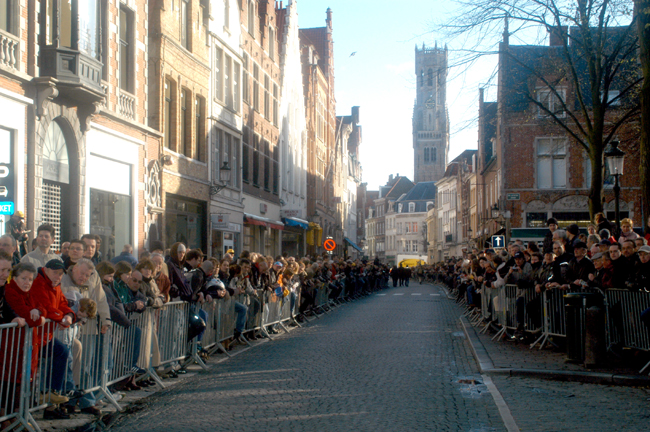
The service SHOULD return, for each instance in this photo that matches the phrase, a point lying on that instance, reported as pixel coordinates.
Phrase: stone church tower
(430, 119)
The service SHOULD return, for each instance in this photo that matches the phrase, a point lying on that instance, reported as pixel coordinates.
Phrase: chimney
(329, 18)
(558, 36)
(390, 178)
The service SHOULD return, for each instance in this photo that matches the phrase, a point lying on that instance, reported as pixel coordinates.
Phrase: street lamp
(495, 212)
(615, 158)
(224, 178)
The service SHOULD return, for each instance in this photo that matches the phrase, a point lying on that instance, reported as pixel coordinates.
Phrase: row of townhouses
(209, 122)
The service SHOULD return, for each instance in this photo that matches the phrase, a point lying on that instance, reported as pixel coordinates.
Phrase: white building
(406, 227)
(293, 137)
(225, 133)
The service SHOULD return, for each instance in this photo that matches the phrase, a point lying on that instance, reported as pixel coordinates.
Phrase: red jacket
(50, 298)
(22, 304)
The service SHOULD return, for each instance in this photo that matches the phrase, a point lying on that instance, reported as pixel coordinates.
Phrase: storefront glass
(185, 222)
(111, 219)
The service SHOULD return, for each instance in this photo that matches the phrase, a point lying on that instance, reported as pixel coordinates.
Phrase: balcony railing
(9, 50)
(126, 105)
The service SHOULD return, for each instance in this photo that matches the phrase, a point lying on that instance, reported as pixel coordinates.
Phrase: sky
(380, 77)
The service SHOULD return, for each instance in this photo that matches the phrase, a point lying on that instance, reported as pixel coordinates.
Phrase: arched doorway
(56, 202)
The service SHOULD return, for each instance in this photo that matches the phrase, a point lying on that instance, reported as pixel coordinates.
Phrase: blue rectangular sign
(498, 241)
(6, 208)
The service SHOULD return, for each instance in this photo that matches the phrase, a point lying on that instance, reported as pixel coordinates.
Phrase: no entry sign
(329, 245)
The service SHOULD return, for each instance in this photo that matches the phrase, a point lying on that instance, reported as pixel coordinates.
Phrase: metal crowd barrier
(15, 366)
(79, 359)
(624, 323)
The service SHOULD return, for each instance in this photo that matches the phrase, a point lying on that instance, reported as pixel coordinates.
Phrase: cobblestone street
(395, 361)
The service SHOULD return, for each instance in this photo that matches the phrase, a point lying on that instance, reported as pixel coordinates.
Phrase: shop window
(536, 220)
(110, 218)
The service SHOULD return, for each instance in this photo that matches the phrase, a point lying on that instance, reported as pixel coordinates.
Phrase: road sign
(329, 245)
(513, 197)
(498, 241)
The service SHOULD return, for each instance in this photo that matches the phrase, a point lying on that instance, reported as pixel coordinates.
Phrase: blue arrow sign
(498, 241)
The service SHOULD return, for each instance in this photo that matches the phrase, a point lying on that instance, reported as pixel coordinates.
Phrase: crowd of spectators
(71, 286)
(567, 260)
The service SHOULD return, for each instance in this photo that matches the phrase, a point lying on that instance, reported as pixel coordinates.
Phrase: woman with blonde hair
(627, 231)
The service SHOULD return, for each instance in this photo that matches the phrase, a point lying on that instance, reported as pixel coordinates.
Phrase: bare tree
(595, 53)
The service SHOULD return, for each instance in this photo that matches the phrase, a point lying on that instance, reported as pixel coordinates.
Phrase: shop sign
(6, 208)
(220, 221)
(6, 171)
(513, 197)
(291, 213)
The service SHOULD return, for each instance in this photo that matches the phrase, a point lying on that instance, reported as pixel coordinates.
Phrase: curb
(486, 365)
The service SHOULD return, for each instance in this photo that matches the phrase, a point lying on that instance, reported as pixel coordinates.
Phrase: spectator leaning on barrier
(47, 292)
(622, 267)
(580, 267)
(42, 254)
(175, 264)
(548, 238)
(161, 278)
(149, 287)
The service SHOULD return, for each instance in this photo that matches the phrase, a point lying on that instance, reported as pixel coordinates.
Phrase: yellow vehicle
(411, 262)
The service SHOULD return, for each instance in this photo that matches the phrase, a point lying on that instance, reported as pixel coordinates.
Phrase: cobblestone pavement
(397, 361)
(552, 406)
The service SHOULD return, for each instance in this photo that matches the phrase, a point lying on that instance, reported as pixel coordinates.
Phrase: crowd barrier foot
(644, 368)
(219, 346)
(295, 321)
(109, 397)
(151, 373)
(286, 330)
(500, 334)
(540, 340)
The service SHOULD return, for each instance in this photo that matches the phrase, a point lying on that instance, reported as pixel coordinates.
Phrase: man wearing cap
(580, 267)
(16, 228)
(46, 290)
(548, 238)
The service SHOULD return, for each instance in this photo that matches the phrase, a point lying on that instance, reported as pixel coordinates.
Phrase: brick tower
(430, 119)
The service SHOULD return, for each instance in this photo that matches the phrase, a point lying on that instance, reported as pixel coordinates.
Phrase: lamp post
(224, 178)
(615, 158)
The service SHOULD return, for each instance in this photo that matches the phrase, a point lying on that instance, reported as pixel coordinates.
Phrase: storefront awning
(262, 221)
(295, 222)
(353, 244)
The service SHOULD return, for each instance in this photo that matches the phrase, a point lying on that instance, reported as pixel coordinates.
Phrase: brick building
(530, 167)
(317, 46)
(74, 123)
(179, 77)
(260, 114)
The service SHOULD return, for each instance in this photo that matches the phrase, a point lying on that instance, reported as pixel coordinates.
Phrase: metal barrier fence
(50, 364)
